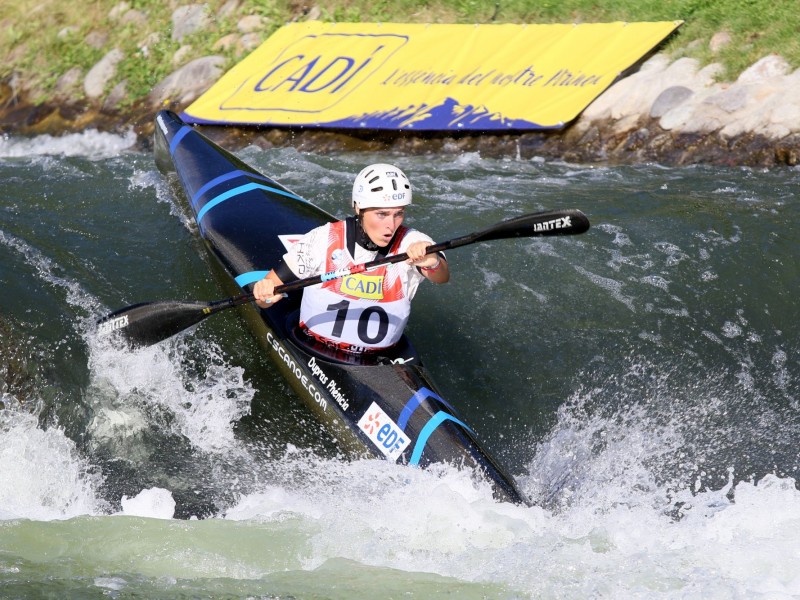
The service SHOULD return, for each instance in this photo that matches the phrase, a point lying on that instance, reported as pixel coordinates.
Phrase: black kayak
(383, 405)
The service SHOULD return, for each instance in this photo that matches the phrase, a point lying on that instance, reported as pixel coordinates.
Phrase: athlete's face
(381, 223)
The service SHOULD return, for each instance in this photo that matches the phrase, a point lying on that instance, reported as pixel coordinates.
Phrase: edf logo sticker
(383, 432)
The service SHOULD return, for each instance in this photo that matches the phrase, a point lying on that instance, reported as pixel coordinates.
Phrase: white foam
(42, 475)
(381, 513)
(156, 503)
(203, 407)
(91, 144)
(612, 286)
(615, 540)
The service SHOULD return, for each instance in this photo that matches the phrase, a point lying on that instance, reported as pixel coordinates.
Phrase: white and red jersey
(365, 311)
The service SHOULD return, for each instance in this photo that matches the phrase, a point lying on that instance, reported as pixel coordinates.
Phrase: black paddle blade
(548, 223)
(151, 322)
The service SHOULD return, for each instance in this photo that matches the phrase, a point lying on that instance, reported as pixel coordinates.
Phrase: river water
(640, 381)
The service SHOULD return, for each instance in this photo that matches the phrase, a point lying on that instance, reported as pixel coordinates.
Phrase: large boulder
(189, 19)
(188, 83)
(635, 95)
(101, 74)
(762, 101)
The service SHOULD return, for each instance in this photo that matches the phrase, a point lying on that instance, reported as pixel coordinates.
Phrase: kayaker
(367, 311)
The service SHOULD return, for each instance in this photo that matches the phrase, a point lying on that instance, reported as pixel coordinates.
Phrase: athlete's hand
(264, 293)
(417, 255)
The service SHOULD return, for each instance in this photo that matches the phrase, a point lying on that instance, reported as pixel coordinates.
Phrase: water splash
(156, 503)
(91, 144)
(42, 474)
(143, 412)
(182, 386)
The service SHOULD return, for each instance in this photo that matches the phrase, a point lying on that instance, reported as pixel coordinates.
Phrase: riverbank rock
(676, 112)
(189, 19)
(188, 83)
(98, 77)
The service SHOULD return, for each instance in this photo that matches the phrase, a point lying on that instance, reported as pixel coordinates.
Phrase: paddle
(151, 322)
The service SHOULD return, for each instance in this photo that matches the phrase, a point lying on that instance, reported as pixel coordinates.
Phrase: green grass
(43, 39)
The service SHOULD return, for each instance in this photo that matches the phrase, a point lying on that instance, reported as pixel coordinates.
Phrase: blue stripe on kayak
(242, 189)
(182, 132)
(429, 428)
(420, 396)
(251, 277)
(223, 178)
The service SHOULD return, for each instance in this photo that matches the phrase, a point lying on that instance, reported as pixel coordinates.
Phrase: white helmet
(381, 186)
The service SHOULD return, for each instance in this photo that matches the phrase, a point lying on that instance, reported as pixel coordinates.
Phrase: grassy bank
(40, 40)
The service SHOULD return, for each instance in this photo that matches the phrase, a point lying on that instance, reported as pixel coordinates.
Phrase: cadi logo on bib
(359, 285)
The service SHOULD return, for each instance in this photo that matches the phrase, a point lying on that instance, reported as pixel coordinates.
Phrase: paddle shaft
(150, 322)
(562, 223)
(304, 283)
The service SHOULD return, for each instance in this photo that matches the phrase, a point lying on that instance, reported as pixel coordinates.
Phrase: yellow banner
(426, 77)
